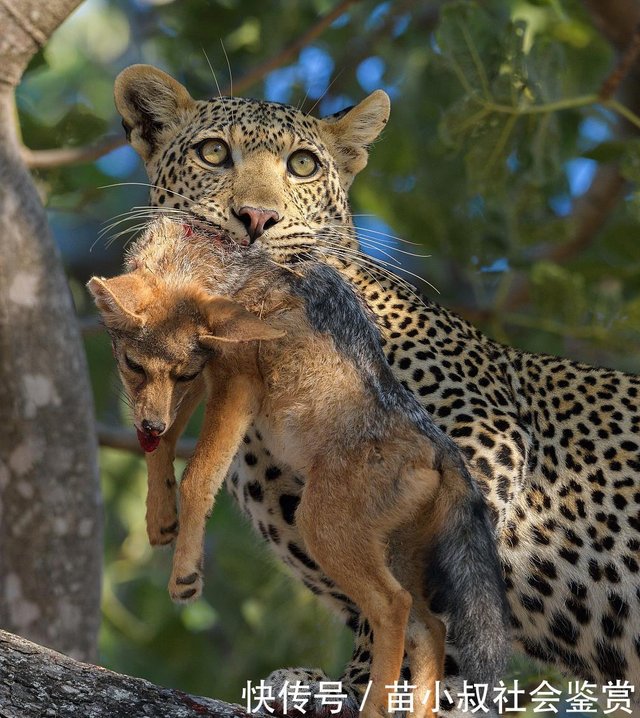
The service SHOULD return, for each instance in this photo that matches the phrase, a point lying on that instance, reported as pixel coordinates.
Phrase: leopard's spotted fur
(554, 444)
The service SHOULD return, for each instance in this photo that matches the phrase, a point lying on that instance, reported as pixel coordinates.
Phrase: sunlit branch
(611, 84)
(65, 156)
(289, 52)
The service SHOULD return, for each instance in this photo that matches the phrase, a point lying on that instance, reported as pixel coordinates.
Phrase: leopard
(554, 444)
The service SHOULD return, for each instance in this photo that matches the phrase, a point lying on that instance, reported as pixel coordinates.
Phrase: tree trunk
(36, 682)
(50, 507)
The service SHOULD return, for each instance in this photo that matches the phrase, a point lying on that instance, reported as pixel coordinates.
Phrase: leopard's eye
(213, 152)
(302, 163)
(134, 366)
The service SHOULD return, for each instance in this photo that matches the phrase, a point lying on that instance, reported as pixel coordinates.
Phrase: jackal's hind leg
(425, 644)
(353, 558)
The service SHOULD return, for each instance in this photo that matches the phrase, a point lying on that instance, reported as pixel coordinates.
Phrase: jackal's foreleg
(229, 411)
(162, 515)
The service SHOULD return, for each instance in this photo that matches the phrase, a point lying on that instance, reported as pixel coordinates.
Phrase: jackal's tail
(465, 584)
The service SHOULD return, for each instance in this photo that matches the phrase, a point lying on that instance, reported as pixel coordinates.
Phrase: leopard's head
(255, 171)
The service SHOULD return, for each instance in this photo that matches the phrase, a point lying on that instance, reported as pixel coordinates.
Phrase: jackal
(388, 509)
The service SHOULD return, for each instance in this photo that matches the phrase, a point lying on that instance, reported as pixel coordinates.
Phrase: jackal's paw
(308, 692)
(162, 527)
(185, 586)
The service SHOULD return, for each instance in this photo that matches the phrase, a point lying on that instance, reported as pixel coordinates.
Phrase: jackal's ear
(351, 133)
(231, 322)
(150, 102)
(120, 300)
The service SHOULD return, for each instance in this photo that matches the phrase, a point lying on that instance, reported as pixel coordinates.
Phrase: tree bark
(50, 507)
(36, 682)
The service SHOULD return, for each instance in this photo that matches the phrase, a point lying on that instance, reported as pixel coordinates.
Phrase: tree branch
(26, 27)
(125, 440)
(65, 156)
(622, 69)
(615, 19)
(279, 59)
(37, 682)
(424, 19)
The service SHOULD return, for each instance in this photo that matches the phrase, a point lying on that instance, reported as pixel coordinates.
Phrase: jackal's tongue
(148, 442)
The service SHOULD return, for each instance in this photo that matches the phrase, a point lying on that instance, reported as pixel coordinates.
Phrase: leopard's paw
(309, 692)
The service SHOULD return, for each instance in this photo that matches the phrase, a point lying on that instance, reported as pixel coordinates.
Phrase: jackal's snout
(154, 428)
(150, 431)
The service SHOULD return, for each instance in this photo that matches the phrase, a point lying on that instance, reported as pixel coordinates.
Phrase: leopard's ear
(350, 133)
(150, 102)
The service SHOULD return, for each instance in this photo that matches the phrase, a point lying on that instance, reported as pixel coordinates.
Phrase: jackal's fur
(388, 510)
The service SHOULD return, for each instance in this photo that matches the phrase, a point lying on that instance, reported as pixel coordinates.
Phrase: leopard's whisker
(380, 266)
(379, 232)
(375, 245)
(132, 216)
(382, 251)
(215, 79)
(146, 184)
(324, 94)
(388, 244)
(224, 50)
(109, 237)
(350, 258)
(129, 230)
(146, 213)
(148, 208)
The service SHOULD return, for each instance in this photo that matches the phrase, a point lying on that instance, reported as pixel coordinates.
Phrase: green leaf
(558, 292)
(467, 41)
(608, 151)
(630, 165)
(486, 159)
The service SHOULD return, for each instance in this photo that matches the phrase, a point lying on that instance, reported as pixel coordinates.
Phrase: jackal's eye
(213, 152)
(134, 366)
(187, 377)
(302, 163)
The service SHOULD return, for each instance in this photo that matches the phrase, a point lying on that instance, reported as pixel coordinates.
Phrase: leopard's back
(555, 445)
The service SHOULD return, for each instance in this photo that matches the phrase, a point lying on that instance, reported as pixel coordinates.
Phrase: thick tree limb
(50, 508)
(36, 682)
(26, 27)
(618, 21)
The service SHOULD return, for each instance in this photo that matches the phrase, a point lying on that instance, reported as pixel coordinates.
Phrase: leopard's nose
(257, 220)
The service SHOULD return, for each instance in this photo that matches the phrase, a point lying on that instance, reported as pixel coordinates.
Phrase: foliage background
(500, 161)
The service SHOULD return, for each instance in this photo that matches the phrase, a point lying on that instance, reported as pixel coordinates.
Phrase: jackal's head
(163, 336)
